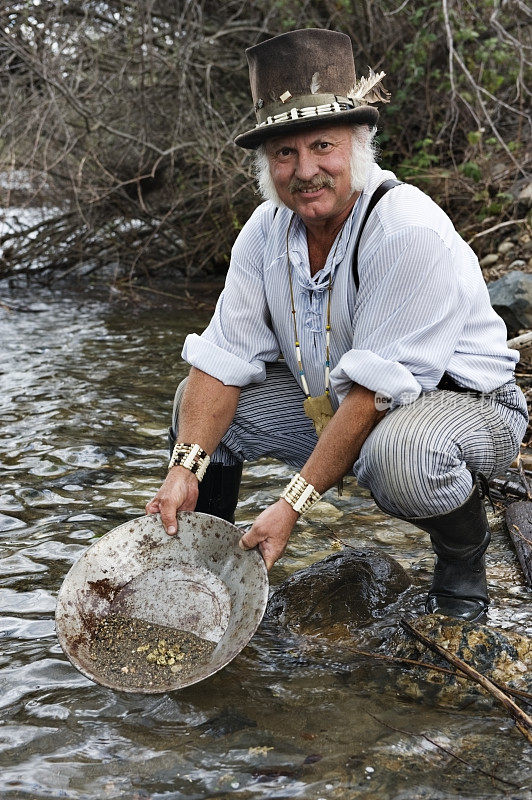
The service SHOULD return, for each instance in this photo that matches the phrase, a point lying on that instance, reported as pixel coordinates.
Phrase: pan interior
(193, 599)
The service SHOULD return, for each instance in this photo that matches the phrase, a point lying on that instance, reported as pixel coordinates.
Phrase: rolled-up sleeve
(412, 306)
(239, 338)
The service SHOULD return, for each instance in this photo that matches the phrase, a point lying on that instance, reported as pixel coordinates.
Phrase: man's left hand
(271, 531)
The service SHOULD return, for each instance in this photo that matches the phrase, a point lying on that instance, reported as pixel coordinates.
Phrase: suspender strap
(379, 192)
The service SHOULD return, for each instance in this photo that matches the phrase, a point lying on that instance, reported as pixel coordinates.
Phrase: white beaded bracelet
(300, 494)
(190, 456)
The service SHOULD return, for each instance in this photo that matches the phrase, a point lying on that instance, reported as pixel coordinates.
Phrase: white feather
(368, 90)
(314, 84)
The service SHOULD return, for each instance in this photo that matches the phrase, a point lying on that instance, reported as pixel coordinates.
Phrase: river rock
(525, 196)
(511, 297)
(506, 246)
(489, 260)
(351, 586)
(503, 656)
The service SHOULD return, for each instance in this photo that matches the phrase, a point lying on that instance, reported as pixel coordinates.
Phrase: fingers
(153, 506)
(168, 512)
(168, 508)
(269, 557)
(179, 492)
(251, 539)
(270, 531)
(270, 554)
(169, 517)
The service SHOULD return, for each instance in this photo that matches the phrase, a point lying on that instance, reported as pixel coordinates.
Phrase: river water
(87, 392)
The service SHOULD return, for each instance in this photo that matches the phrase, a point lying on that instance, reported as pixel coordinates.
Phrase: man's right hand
(179, 492)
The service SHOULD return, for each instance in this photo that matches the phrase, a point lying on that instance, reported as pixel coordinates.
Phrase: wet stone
(503, 656)
(346, 588)
(132, 653)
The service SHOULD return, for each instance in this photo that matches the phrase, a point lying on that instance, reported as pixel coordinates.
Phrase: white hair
(363, 155)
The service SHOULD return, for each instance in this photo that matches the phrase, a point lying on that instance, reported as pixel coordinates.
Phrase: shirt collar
(298, 251)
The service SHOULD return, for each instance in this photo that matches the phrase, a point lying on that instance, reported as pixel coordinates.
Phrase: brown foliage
(123, 114)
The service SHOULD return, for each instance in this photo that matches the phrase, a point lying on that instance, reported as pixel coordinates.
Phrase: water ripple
(83, 417)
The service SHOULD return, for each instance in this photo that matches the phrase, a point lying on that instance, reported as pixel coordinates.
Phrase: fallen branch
(520, 341)
(526, 461)
(507, 489)
(186, 298)
(522, 720)
(522, 536)
(332, 535)
(497, 227)
(518, 519)
(526, 696)
(522, 475)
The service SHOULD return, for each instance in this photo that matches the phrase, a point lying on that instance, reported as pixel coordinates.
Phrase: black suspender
(379, 192)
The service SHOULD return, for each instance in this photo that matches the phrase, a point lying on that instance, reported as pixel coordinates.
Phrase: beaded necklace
(319, 409)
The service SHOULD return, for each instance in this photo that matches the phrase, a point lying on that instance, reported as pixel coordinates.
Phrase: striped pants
(416, 462)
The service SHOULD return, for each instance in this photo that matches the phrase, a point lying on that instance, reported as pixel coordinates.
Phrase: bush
(123, 116)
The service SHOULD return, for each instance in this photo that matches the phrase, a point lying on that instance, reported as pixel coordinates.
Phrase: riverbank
(502, 246)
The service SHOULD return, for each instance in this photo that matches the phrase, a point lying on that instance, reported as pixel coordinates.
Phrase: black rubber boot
(459, 540)
(218, 491)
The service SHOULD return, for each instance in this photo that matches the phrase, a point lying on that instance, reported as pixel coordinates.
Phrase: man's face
(311, 172)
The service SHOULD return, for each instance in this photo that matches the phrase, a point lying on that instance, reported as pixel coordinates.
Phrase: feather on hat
(307, 78)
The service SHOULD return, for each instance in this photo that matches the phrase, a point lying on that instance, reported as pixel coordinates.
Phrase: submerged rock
(351, 586)
(502, 656)
(228, 721)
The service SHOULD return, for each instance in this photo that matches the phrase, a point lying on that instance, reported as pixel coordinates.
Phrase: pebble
(505, 247)
(130, 652)
(518, 263)
(325, 511)
(525, 195)
(489, 260)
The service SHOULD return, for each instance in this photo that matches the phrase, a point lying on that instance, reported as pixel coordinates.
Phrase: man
(393, 332)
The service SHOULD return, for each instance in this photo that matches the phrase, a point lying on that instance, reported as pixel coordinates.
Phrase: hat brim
(363, 115)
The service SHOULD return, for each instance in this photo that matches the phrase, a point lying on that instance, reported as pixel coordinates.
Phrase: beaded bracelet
(300, 494)
(190, 456)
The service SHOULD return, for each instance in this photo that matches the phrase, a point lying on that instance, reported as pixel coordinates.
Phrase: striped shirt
(422, 307)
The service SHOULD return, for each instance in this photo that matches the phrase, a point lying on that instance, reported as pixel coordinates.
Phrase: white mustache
(297, 185)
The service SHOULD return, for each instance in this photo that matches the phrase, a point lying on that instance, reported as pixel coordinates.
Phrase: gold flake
(259, 751)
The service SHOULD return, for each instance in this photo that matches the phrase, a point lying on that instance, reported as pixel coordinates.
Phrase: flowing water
(87, 392)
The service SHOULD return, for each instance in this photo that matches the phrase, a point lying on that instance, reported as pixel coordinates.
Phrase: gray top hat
(306, 78)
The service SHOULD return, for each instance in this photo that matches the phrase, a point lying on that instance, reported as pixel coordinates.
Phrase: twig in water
(335, 536)
(445, 750)
(522, 720)
(521, 535)
(526, 696)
